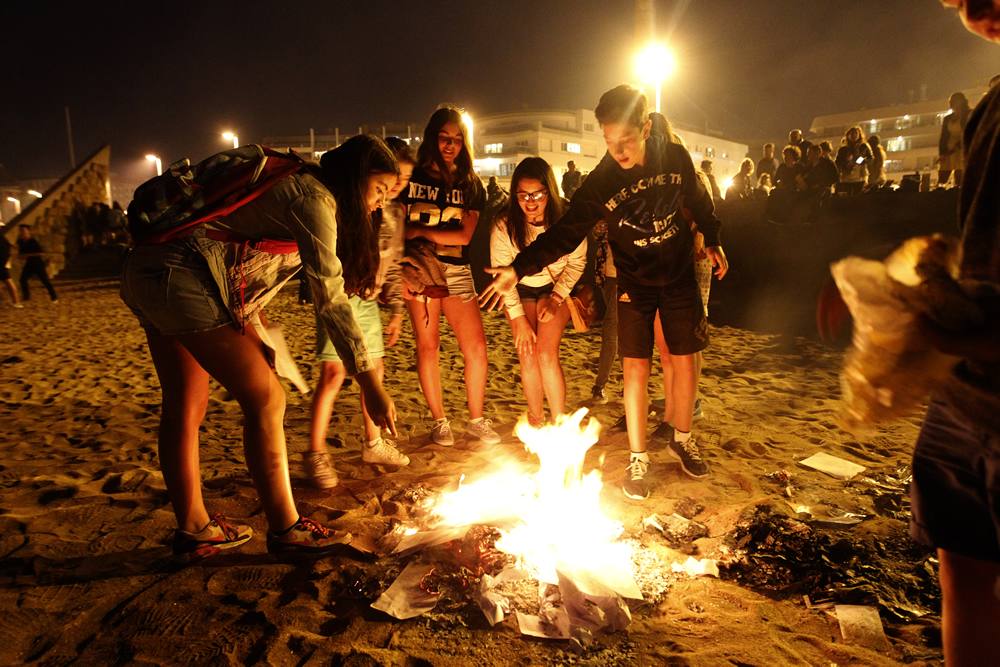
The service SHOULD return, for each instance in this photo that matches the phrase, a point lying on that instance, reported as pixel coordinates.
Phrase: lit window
(571, 147)
(494, 148)
(709, 151)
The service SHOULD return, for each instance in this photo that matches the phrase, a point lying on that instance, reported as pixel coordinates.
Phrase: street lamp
(17, 204)
(654, 64)
(230, 136)
(159, 163)
(35, 193)
(467, 119)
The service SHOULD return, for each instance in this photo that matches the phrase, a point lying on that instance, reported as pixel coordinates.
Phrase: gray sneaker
(319, 470)
(635, 485)
(441, 433)
(384, 452)
(483, 432)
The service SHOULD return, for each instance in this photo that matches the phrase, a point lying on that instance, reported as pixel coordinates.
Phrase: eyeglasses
(540, 195)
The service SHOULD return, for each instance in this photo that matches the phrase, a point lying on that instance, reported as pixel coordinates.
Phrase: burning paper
(551, 521)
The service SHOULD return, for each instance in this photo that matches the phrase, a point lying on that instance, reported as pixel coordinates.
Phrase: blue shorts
(955, 492)
(368, 318)
(170, 289)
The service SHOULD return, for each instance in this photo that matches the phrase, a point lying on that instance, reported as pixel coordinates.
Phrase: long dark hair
(346, 170)
(428, 155)
(517, 225)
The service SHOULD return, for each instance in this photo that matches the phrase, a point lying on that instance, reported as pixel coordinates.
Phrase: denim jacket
(300, 209)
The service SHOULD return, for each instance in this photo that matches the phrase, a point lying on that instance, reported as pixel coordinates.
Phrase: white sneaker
(384, 452)
(483, 432)
(319, 470)
(441, 433)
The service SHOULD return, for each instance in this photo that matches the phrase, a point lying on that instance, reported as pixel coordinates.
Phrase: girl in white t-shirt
(536, 307)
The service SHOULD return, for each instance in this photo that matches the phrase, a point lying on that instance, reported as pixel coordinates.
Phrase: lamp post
(35, 193)
(17, 204)
(159, 164)
(231, 136)
(654, 64)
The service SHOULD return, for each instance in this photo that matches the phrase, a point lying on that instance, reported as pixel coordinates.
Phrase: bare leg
(970, 610)
(184, 389)
(668, 416)
(636, 401)
(331, 379)
(549, 336)
(12, 290)
(237, 361)
(466, 321)
(372, 432)
(609, 333)
(531, 376)
(428, 337)
(685, 385)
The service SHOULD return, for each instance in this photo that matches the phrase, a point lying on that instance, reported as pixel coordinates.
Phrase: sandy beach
(86, 572)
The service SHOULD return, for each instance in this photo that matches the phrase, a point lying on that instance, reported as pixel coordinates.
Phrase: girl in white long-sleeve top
(537, 307)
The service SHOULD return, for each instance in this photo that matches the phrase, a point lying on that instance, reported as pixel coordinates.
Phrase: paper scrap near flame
(696, 568)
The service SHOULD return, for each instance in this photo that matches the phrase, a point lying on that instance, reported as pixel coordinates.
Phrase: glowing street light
(654, 65)
(17, 204)
(159, 163)
(467, 119)
(230, 136)
(35, 193)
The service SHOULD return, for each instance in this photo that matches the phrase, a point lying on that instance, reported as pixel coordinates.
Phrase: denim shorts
(955, 494)
(369, 320)
(460, 283)
(527, 293)
(170, 289)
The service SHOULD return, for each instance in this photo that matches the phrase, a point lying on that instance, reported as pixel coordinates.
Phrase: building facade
(909, 133)
(502, 140)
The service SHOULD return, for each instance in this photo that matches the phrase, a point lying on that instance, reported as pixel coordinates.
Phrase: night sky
(169, 77)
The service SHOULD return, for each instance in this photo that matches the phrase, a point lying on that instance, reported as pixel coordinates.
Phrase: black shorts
(682, 317)
(955, 492)
(527, 293)
(4, 273)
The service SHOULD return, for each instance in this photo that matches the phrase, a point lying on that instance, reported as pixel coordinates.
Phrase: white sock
(443, 420)
(642, 456)
(681, 436)
(372, 443)
(477, 420)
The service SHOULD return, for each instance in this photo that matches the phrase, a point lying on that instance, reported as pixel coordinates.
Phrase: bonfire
(547, 530)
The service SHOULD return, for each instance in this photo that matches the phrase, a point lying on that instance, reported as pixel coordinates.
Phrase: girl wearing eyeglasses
(536, 307)
(444, 200)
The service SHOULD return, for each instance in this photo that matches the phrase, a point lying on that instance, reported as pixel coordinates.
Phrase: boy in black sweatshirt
(642, 187)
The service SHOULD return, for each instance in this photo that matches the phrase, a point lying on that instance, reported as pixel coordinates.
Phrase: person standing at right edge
(640, 187)
(444, 200)
(956, 464)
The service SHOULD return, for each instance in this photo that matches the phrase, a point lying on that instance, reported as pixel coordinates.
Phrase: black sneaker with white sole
(635, 485)
(662, 435)
(690, 457)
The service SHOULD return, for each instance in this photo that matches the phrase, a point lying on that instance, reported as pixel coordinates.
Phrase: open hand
(505, 277)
